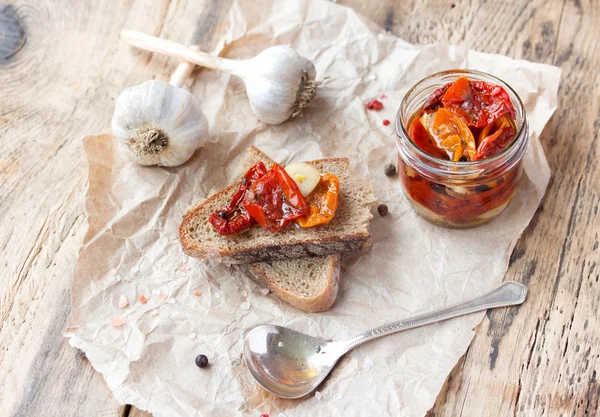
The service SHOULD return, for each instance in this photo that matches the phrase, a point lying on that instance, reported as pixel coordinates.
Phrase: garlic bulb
(160, 123)
(279, 82)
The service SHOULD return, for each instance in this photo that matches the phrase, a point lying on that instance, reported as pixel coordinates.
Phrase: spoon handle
(507, 294)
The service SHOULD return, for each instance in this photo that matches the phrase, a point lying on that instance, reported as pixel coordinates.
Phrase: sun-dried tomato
(421, 137)
(452, 135)
(233, 218)
(323, 202)
(497, 141)
(496, 100)
(274, 200)
(478, 102)
(434, 101)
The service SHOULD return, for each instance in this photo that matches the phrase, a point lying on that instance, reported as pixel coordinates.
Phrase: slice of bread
(347, 232)
(310, 284)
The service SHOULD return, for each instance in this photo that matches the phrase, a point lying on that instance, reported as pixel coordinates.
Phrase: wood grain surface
(61, 67)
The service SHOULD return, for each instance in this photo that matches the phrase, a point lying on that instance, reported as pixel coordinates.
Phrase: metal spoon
(291, 364)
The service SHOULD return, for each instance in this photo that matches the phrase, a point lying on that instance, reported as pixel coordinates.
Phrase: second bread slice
(310, 284)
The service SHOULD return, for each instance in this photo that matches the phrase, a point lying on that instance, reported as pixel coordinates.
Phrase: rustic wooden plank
(59, 87)
(43, 113)
(540, 359)
(12, 34)
(543, 360)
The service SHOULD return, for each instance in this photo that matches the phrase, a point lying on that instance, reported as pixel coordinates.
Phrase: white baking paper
(132, 246)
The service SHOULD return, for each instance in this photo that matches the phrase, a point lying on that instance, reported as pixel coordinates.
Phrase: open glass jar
(458, 194)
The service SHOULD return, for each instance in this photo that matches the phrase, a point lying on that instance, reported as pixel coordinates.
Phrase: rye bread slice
(309, 284)
(347, 232)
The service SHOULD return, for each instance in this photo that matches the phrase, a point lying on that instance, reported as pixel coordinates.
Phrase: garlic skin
(279, 83)
(160, 123)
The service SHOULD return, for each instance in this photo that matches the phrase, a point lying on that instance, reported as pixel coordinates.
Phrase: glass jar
(458, 194)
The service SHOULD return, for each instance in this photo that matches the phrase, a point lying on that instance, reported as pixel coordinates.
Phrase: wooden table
(61, 67)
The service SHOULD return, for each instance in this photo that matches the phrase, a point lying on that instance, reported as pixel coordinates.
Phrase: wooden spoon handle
(177, 50)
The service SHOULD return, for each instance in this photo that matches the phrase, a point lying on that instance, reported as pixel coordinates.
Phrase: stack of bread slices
(299, 265)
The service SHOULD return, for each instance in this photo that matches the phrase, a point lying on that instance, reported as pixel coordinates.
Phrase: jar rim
(401, 130)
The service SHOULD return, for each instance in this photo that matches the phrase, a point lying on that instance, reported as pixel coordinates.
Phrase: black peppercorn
(382, 209)
(390, 170)
(201, 361)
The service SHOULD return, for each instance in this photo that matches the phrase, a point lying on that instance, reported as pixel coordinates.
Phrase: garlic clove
(160, 124)
(305, 176)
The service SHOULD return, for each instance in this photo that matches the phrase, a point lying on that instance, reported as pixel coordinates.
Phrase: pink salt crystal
(143, 299)
(118, 321)
(123, 302)
(162, 296)
(196, 293)
(318, 395)
(244, 293)
(264, 291)
(383, 96)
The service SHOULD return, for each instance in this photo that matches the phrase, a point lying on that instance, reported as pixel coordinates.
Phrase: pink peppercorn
(374, 105)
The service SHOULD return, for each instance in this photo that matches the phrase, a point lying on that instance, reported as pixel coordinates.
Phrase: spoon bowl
(288, 363)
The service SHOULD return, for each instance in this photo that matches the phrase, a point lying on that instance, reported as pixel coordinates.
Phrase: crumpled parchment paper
(132, 246)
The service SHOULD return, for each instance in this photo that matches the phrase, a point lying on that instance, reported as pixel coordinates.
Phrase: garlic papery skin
(160, 123)
(279, 82)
